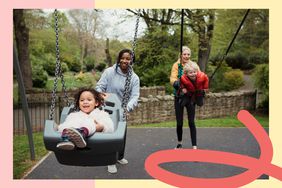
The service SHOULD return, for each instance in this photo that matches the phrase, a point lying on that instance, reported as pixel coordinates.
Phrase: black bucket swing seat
(102, 148)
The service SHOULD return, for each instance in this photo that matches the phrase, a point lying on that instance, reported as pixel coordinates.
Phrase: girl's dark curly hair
(97, 96)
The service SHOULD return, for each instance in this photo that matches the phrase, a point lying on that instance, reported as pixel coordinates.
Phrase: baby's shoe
(76, 137)
(65, 145)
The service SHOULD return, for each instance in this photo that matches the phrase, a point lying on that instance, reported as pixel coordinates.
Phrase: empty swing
(102, 148)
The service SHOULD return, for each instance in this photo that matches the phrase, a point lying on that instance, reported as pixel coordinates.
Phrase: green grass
(214, 122)
(21, 153)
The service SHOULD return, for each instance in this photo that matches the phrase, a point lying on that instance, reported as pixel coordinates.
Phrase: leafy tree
(36, 19)
(201, 22)
(226, 24)
(261, 78)
(155, 55)
(86, 23)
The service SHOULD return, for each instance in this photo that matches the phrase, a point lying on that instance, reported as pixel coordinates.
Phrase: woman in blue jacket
(121, 80)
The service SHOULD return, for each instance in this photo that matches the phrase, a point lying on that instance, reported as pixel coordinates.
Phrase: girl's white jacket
(80, 119)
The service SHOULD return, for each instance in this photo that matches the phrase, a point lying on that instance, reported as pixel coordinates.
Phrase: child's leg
(200, 94)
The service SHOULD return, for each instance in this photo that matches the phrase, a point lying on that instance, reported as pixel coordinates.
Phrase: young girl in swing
(85, 122)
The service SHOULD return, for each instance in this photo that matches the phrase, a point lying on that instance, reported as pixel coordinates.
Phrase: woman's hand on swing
(105, 95)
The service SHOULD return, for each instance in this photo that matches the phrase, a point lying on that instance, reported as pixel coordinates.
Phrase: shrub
(89, 63)
(74, 66)
(72, 62)
(215, 59)
(233, 79)
(225, 79)
(49, 65)
(100, 67)
(239, 61)
(39, 76)
(218, 82)
(64, 67)
(258, 57)
(155, 77)
(84, 79)
(261, 79)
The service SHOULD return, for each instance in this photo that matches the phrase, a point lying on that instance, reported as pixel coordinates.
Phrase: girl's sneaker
(76, 137)
(112, 169)
(65, 145)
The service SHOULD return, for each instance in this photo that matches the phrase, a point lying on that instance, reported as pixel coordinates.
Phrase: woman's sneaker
(65, 145)
(179, 146)
(76, 137)
(123, 161)
(112, 169)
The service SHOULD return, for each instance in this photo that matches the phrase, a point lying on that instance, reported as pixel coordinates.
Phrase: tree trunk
(203, 57)
(82, 51)
(107, 51)
(205, 37)
(204, 50)
(22, 42)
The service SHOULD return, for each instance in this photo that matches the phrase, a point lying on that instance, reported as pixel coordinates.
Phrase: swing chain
(134, 43)
(58, 72)
(126, 93)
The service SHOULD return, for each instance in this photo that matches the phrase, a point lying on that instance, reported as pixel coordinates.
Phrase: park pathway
(141, 142)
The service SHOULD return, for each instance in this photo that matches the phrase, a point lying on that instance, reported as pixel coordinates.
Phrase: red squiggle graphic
(256, 167)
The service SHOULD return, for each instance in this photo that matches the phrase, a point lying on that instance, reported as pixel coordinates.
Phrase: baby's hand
(99, 127)
(184, 90)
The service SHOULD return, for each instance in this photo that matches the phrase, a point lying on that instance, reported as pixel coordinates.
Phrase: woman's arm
(101, 85)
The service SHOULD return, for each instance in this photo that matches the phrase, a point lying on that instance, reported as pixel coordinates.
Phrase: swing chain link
(58, 72)
(126, 93)
(134, 43)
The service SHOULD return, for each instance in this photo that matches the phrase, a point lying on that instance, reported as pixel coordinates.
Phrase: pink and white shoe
(76, 137)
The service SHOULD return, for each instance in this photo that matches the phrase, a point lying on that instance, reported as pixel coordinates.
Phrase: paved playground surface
(141, 142)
